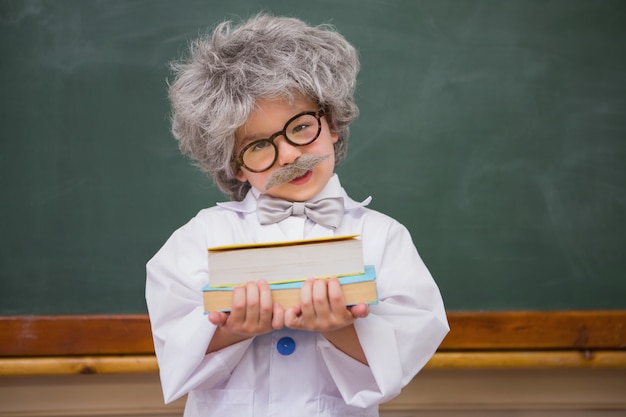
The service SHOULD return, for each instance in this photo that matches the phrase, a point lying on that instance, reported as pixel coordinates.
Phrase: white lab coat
(252, 378)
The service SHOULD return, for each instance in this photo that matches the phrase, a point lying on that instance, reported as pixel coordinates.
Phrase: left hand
(323, 308)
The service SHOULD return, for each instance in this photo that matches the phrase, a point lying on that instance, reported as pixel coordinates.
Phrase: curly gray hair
(215, 90)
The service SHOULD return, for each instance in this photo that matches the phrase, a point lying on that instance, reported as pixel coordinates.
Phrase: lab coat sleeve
(181, 331)
(402, 331)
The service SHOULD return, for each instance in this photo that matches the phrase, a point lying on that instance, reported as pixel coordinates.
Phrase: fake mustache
(295, 170)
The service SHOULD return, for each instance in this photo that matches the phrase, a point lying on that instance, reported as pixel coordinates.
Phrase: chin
(292, 192)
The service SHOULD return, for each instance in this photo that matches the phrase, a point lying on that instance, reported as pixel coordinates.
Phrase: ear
(334, 136)
(241, 175)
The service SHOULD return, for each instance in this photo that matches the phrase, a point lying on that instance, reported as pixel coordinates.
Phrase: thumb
(278, 317)
(218, 318)
(360, 310)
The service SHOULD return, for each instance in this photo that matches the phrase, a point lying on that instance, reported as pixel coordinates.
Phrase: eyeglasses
(302, 129)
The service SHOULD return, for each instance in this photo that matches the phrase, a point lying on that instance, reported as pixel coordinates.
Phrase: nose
(287, 153)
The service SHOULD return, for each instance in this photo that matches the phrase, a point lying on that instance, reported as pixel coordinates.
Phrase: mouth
(302, 179)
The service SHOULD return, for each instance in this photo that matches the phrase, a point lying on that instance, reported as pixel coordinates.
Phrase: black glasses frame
(317, 114)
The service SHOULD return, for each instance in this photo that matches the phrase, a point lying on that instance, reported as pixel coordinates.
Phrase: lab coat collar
(332, 189)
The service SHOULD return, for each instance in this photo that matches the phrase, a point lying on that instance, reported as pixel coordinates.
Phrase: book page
(281, 243)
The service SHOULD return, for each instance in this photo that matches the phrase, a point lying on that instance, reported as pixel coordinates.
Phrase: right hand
(252, 312)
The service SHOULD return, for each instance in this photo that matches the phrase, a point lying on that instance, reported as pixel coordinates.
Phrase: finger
(320, 298)
(360, 310)
(266, 305)
(293, 317)
(278, 317)
(218, 318)
(335, 296)
(252, 302)
(238, 305)
(307, 309)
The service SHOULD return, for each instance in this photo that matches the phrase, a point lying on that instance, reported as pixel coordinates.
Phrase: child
(264, 109)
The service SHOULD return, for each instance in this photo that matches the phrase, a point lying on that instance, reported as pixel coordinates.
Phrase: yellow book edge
(239, 246)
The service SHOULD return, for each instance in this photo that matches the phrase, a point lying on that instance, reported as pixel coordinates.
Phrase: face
(269, 117)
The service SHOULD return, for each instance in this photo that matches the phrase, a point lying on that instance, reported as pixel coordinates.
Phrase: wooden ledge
(528, 359)
(59, 365)
(123, 343)
(442, 360)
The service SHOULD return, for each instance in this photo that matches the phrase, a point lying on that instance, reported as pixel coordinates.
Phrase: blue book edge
(369, 274)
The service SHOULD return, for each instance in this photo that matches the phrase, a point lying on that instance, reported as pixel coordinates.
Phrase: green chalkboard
(495, 130)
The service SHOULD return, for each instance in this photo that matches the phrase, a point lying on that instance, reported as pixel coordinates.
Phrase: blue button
(286, 346)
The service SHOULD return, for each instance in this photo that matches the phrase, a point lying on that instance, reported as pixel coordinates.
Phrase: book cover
(360, 288)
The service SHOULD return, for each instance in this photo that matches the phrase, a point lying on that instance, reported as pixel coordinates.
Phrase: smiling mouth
(302, 177)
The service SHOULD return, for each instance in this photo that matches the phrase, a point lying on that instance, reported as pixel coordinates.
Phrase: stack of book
(285, 266)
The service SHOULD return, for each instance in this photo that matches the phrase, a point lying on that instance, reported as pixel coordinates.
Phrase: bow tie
(327, 212)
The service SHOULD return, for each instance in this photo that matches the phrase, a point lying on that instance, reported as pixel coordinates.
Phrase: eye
(300, 127)
(258, 146)
(303, 131)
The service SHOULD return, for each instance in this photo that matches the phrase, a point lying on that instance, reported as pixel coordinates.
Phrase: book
(287, 261)
(360, 288)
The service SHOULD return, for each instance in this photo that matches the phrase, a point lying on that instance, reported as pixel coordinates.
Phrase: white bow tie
(327, 212)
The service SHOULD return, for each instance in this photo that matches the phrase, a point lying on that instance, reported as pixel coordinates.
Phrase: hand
(323, 308)
(252, 312)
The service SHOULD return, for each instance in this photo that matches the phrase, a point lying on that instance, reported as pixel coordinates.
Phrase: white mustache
(295, 170)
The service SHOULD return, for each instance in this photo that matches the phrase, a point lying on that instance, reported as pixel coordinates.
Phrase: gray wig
(265, 57)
